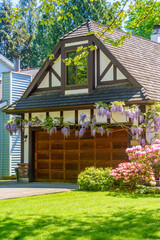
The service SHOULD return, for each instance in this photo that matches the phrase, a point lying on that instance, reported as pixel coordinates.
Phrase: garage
(61, 159)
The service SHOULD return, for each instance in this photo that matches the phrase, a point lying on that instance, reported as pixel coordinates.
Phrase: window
(76, 74)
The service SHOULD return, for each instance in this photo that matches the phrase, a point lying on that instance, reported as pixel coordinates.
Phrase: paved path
(13, 189)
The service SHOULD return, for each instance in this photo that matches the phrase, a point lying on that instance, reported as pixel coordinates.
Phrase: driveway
(12, 189)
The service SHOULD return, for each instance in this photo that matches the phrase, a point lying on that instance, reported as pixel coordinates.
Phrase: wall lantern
(25, 138)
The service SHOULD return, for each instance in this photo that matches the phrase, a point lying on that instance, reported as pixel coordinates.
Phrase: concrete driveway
(12, 189)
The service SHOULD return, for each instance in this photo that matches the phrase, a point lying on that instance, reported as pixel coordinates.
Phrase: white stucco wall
(54, 114)
(69, 116)
(41, 115)
(76, 91)
(45, 82)
(76, 43)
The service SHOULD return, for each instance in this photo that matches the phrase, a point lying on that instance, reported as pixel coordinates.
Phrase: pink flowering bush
(149, 155)
(133, 173)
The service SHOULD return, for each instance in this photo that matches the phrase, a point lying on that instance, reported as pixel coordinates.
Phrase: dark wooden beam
(76, 116)
(62, 71)
(50, 78)
(114, 73)
(98, 66)
(91, 79)
(107, 52)
(105, 71)
(22, 142)
(55, 74)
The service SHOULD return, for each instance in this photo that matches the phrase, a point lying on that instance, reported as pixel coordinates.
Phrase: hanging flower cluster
(133, 173)
(138, 122)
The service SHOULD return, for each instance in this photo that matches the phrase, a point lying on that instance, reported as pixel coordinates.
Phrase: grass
(81, 216)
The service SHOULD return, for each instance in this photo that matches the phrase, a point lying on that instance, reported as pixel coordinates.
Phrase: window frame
(74, 86)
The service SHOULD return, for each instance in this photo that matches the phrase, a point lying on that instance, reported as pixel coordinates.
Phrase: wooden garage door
(60, 159)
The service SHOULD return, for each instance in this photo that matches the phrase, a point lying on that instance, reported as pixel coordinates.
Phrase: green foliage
(143, 14)
(141, 189)
(95, 179)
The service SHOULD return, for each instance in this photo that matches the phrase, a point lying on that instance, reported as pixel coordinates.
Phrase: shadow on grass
(124, 224)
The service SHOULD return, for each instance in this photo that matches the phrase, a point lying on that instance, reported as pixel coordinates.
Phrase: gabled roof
(8, 62)
(138, 57)
(54, 99)
(31, 71)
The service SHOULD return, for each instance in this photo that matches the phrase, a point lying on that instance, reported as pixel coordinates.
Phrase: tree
(56, 21)
(29, 16)
(13, 34)
(143, 14)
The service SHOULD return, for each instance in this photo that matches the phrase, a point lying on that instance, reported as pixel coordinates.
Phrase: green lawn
(81, 215)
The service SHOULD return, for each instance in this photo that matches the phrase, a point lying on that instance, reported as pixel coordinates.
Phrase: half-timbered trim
(62, 71)
(76, 116)
(105, 71)
(115, 61)
(55, 74)
(50, 79)
(91, 79)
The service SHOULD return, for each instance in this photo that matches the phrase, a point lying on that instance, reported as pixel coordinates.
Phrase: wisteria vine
(139, 124)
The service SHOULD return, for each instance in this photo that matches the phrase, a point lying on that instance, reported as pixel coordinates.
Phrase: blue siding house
(13, 82)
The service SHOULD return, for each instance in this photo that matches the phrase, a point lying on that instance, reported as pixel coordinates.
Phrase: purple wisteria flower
(77, 133)
(82, 116)
(65, 131)
(141, 118)
(93, 132)
(30, 123)
(101, 130)
(81, 132)
(108, 114)
(101, 112)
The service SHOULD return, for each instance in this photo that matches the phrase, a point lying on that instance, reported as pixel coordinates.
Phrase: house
(13, 82)
(129, 73)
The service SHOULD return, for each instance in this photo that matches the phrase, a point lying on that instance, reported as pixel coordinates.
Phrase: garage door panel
(74, 155)
(102, 144)
(103, 155)
(57, 175)
(61, 159)
(57, 136)
(71, 175)
(43, 165)
(70, 145)
(57, 155)
(42, 154)
(119, 156)
(86, 155)
(42, 136)
(119, 145)
(103, 164)
(58, 165)
(57, 146)
(71, 166)
(85, 164)
(86, 145)
(44, 175)
(43, 146)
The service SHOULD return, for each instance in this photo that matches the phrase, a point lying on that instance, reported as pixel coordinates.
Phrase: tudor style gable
(97, 69)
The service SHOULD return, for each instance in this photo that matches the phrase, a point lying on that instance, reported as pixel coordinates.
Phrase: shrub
(133, 173)
(149, 154)
(96, 179)
(141, 189)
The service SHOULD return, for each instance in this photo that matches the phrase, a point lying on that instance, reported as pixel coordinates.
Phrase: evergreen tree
(12, 36)
(29, 16)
